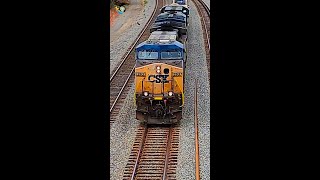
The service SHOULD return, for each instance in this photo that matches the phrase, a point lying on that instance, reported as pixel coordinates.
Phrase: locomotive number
(175, 74)
(143, 74)
(158, 78)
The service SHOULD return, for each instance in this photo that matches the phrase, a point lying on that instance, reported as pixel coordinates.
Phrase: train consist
(159, 68)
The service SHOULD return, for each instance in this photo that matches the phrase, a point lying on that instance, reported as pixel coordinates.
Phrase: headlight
(184, 11)
(158, 69)
(145, 93)
(170, 93)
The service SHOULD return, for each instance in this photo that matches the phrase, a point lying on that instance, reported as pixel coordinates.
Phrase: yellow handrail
(181, 91)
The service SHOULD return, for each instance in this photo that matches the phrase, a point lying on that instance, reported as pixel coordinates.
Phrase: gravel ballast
(196, 68)
(122, 131)
(122, 135)
(130, 32)
(207, 3)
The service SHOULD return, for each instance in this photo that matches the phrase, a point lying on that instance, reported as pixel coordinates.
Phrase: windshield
(171, 54)
(148, 54)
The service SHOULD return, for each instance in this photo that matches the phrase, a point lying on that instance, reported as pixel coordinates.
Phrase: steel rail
(115, 101)
(141, 149)
(139, 153)
(196, 131)
(135, 42)
(167, 155)
(202, 15)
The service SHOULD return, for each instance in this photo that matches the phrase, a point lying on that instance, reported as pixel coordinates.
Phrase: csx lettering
(158, 78)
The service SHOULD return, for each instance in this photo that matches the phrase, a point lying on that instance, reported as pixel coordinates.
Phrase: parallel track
(122, 78)
(196, 138)
(204, 12)
(154, 154)
(155, 150)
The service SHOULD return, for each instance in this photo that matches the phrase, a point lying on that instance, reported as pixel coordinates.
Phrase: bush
(114, 3)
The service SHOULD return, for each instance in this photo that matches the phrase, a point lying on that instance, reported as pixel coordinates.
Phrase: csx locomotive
(159, 68)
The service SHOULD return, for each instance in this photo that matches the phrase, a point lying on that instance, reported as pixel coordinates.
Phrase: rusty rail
(139, 154)
(164, 176)
(196, 130)
(131, 48)
(154, 154)
(122, 78)
(204, 13)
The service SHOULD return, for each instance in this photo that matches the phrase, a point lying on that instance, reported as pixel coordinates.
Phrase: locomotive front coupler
(165, 103)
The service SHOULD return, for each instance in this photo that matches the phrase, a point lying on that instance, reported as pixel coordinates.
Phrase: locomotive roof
(174, 8)
(163, 36)
(166, 15)
(170, 14)
(161, 40)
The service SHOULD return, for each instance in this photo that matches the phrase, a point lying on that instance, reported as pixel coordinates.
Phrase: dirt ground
(123, 22)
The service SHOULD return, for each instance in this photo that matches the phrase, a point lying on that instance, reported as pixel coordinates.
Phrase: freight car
(175, 8)
(171, 21)
(181, 3)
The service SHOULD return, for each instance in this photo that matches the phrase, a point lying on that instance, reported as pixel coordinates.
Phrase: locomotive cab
(159, 78)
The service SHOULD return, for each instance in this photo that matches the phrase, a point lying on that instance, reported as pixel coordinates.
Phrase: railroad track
(154, 154)
(122, 78)
(196, 137)
(155, 151)
(204, 12)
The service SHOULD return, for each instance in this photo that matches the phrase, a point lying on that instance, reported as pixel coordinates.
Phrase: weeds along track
(122, 78)
(154, 154)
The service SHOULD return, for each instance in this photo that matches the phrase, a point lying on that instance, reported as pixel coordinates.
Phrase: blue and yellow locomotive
(159, 70)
